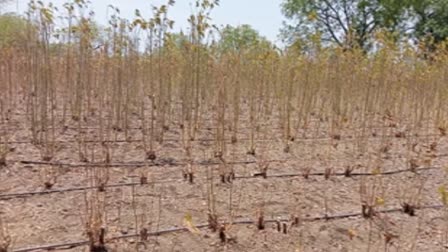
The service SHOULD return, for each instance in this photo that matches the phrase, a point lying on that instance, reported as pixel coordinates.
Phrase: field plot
(184, 147)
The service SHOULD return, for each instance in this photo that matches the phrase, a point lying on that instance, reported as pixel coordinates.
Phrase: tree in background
(12, 30)
(353, 23)
(346, 23)
(177, 39)
(431, 26)
(240, 38)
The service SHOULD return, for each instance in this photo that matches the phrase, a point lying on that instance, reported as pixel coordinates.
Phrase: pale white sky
(263, 15)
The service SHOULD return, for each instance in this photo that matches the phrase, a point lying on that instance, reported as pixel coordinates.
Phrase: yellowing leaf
(351, 233)
(441, 189)
(444, 195)
(376, 171)
(379, 201)
(188, 223)
(312, 16)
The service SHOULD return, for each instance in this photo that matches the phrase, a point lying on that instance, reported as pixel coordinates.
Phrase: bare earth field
(128, 135)
(307, 199)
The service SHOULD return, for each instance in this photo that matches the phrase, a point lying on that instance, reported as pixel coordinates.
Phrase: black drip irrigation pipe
(245, 221)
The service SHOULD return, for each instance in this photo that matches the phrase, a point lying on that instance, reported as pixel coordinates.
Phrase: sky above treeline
(263, 15)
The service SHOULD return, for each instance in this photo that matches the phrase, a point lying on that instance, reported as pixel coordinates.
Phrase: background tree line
(354, 23)
(350, 24)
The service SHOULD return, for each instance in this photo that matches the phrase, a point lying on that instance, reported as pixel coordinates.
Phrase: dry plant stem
(211, 201)
(236, 100)
(5, 238)
(95, 209)
(4, 149)
(418, 231)
(158, 220)
(134, 207)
